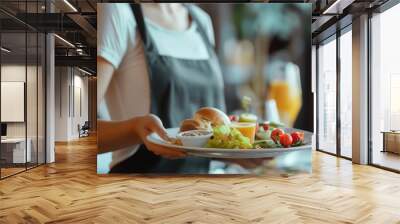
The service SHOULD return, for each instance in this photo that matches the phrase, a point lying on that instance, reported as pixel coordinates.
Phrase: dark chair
(84, 129)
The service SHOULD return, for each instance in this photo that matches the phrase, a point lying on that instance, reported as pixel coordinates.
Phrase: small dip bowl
(194, 138)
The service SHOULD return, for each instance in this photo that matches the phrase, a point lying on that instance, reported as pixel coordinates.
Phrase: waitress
(156, 67)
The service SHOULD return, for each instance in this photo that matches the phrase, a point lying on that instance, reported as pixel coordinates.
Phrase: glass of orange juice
(248, 129)
(285, 88)
(288, 100)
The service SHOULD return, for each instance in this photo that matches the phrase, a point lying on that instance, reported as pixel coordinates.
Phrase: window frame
(333, 37)
(31, 30)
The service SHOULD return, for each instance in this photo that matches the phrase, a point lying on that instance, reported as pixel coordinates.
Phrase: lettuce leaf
(228, 138)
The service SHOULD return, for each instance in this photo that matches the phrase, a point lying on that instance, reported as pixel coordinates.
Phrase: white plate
(232, 153)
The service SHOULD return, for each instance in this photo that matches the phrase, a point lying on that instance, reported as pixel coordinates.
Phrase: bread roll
(211, 115)
(191, 124)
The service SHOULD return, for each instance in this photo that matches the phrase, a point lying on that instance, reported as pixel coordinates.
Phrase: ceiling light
(329, 9)
(5, 50)
(84, 71)
(337, 7)
(70, 5)
(65, 41)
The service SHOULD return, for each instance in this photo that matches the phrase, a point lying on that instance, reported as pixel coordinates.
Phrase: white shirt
(128, 92)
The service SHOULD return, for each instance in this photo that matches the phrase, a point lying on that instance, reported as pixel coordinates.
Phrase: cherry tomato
(276, 133)
(233, 118)
(297, 137)
(266, 126)
(286, 140)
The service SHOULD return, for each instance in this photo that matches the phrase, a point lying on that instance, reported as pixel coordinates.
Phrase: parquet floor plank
(70, 191)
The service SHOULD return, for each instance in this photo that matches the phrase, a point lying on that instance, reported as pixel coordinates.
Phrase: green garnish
(228, 138)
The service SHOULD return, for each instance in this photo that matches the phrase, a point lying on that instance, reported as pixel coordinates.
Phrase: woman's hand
(148, 124)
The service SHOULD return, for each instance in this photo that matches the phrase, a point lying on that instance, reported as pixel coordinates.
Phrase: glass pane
(23, 89)
(327, 97)
(31, 98)
(385, 84)
(13, 86)
(32, 86)
(346, 94)
(41, 99)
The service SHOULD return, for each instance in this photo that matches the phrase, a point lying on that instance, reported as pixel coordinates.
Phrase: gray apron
(179, 87)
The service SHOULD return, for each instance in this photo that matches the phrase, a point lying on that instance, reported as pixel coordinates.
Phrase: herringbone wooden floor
(70, 191)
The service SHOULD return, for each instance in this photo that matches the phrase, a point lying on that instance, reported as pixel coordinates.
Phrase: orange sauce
(247, 129)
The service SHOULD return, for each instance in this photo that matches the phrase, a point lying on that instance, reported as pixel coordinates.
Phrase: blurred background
(265, 52)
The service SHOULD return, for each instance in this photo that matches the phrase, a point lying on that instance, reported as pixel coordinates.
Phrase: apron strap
(138, 14)
(200, 28)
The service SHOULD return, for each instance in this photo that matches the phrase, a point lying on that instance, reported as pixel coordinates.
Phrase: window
(346, 94)
(385, 88)
(326, 135)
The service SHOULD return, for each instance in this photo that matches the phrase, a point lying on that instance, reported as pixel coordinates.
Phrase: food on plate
(265, 126)
(262, 144)
(212, 115)
(247, 117)
(195, 133)
(192, 124)
(204, 119)
(275, 138)
(212, 128)
(298, 138)
(175, 141)
(229, 138)
(195, 138)
(263, 134)
(248, 129)
(233, 118)
(276, 133)
(286, 140)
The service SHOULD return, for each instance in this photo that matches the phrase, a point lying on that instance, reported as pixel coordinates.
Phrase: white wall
(61, 104)
(33, 127)
(12, 73)
(81, 95)
(71, 94)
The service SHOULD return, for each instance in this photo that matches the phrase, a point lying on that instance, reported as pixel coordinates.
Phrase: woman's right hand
(145, 125)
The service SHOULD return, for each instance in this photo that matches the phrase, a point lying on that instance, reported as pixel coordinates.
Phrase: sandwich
(205, 119)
